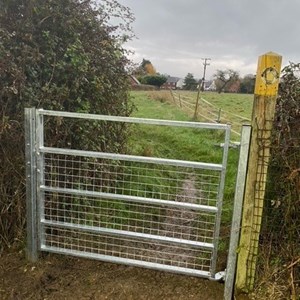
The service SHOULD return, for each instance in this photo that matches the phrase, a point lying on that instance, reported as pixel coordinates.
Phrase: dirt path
(179, 223)
(61, 277)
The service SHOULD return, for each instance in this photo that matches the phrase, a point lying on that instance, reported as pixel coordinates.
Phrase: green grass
(172, 142)
(180, 143)
(240, 104)
(186, 144)
(233, 109)
(147, 108)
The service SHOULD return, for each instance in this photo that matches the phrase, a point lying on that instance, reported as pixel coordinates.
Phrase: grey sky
(176, 34)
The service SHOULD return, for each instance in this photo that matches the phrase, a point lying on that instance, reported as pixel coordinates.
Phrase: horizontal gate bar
(133, 120)
(125, 157)
(204, 208)
(130, 234)
(127, 261)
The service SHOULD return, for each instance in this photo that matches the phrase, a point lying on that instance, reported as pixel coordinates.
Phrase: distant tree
(156, 80)
(225, 78)
(145, 62)
(190, 82)
(145, 68)
(247, 84)
(150, 69)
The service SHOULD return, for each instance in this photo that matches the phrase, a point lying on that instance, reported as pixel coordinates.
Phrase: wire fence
(209, 112)
(274, 239)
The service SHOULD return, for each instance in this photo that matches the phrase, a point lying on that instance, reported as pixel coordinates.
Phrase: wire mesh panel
(143, 211)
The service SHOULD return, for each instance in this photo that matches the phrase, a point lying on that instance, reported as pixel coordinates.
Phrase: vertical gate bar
(237, 211)
(40, 176)
(31, 213)
(220, 202)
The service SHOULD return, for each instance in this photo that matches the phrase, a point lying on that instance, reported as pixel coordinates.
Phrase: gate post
(31, 207)
(237, 211)
(266, 90)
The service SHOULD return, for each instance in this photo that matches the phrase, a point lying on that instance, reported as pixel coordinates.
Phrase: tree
(62, 55)
(247, 84)
(145, 62)
(190, 82)
(150, 70)
(156, 80)
(225, 78)
(145, 68)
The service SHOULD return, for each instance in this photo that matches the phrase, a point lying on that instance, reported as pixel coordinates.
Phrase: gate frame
(31, 183)
(34, 178)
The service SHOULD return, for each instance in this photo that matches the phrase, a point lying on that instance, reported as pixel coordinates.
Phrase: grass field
(175, 143)
(233, 109)
(185, 144)
(178, 143)
(239, 104)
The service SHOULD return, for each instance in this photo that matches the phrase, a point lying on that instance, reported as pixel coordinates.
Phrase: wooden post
(172, 96)
(197, 101)
(219, 116)
(266, 89)
(180, 101)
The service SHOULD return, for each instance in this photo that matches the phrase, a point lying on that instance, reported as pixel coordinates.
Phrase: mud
(63, 277)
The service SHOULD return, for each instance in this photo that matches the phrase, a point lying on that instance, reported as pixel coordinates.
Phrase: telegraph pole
(205, 64)
(201, 84)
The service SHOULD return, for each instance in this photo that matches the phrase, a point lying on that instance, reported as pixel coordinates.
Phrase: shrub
(155, 80)
(284, 189)
(280, 249)
(61, 55)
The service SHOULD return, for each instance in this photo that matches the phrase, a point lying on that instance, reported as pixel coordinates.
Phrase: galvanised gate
(143, 211)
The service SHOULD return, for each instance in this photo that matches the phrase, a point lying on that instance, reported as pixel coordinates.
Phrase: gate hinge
(220, 276)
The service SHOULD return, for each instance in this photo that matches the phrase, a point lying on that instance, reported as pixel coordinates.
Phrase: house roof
(171, 79)
(134, 79)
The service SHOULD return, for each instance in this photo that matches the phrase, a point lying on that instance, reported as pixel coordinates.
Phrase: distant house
(133, 81)
(210, 85)
(171, 83)
(180, 83)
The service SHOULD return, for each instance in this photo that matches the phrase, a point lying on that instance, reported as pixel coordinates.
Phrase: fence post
(31, 206)
(197, 101)
(172, 96)
(266, 89)
(219, 115)
(237, 211)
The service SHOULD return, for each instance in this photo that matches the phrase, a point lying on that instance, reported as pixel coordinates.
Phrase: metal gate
(143, 211)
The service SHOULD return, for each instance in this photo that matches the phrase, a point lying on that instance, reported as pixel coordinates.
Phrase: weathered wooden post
(197, 101)
(266, 90)
(172, 96)
(219, 115)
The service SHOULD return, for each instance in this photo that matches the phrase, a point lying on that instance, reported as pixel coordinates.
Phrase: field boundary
(209, 112)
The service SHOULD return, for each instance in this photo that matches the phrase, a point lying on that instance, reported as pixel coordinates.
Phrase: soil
(63, 277)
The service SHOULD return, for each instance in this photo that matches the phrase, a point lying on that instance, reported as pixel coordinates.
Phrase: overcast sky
(175, 34)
